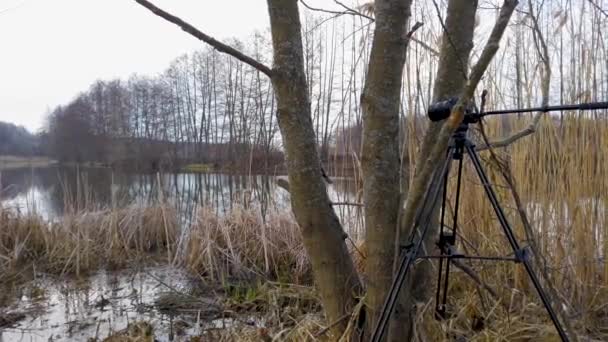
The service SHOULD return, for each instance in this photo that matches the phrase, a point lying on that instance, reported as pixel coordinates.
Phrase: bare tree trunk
(380, 149)
(453, 80)
(451, 77)
(323, 235)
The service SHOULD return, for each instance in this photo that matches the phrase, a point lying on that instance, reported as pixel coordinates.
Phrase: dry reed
(559, 174)
(243, 244)
(86, 241)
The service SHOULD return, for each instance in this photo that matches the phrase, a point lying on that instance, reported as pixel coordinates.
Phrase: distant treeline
(17, 141)
(205, 108)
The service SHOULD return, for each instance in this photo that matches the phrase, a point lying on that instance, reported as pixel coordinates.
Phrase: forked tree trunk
(335, 275)
(380, 150)
(451, 78)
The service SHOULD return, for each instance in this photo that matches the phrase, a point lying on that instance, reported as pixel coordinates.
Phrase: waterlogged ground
(176, 305)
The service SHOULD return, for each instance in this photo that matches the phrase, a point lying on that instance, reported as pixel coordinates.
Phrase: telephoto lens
(441, 110)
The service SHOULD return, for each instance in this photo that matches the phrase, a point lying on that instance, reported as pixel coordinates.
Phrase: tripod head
(441, 110)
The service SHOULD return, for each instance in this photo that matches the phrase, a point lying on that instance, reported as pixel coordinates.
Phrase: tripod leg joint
(522, 254)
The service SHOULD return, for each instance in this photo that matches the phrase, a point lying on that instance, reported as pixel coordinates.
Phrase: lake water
(107, 302)
(53, 191)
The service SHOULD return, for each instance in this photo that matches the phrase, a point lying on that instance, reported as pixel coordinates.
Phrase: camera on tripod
(441, 110)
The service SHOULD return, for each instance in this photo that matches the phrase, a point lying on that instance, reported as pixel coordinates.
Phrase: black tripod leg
(439, 310)
(520, 255)
(448, 241)
(407, 259)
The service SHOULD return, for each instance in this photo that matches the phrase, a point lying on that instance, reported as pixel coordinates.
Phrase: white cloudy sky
(52, 49)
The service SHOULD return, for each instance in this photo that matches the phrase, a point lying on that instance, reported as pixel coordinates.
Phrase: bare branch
(352, 10)
(348, 10)
(491, 47)
(603, 11)
(413, 30)
(543, 52)
(205, 38)
(316, 9)
(515, 137)
(425, 46)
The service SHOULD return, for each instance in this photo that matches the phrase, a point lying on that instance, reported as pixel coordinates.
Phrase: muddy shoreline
(177, 306)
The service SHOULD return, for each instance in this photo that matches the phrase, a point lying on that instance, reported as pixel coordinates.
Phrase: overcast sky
(50, 50)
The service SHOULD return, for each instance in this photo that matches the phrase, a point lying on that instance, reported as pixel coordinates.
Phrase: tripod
(459, 146)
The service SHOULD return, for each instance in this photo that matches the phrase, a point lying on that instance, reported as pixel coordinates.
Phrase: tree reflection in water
(54, 191)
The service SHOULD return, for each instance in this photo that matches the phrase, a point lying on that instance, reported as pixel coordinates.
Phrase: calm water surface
(53, 191)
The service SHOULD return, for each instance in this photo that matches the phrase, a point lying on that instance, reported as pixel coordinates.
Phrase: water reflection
(54, 191)
(105, 303)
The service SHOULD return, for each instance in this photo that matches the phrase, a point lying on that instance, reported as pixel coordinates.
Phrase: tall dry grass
(244, 244)
(560, 175)
(86, 241)
(239, 245)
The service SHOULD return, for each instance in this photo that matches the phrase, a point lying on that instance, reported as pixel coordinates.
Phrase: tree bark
(452, 80)
(380, 149)
(456, 46)
(335, 275)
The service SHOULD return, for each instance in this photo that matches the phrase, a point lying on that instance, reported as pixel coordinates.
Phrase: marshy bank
(234, 276)
(90, 275)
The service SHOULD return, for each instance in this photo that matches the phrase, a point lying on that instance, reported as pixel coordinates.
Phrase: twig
(425, 46)
(333, 324)
(531, 129)
(323, 10)
(205, 38)
(603, 11)
(408, 36)
(476, 278)
(354, 204)
(348, 10)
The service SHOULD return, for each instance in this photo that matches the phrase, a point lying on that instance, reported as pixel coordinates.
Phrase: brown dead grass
(560, 175)
(86, 241)
(243, 244)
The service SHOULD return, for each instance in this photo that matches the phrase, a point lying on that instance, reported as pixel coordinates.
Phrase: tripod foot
(440, 312)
